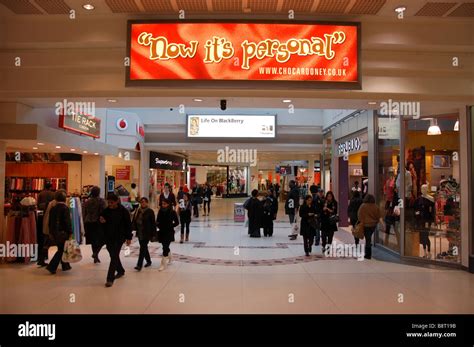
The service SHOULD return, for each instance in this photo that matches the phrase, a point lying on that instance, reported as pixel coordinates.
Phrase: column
(144, 171)
(372, 135)
(466, 186)
(3, 147)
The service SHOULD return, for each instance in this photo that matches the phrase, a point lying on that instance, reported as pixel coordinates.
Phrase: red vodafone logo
(140, 130)
(122, 124)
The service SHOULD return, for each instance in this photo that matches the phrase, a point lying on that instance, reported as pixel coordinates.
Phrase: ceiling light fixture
(40, 144)
(372, 102)
(112, 100)
(400, 9)
(85, 152)
(434, 128)
(73, 149)
(456, 126)
(96, 153)
(286, 101)
(198, 100)
(58, 147)
(88, 7)
(35, 147)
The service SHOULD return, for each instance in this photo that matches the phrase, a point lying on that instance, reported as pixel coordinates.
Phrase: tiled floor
(222, 270)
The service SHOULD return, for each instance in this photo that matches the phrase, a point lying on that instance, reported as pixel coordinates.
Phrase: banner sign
(235, 126)
(257, 51)
(167, 162)
(122, 173)
(81, 124)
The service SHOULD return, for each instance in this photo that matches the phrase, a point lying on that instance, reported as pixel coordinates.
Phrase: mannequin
(424, 208)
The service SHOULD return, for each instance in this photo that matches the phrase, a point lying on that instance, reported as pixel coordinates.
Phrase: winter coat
(118, 225)
(254, 209)
(60, 225)
(352, 210)
(293, 201)
(307, 229)
(326, 223)
(270, 209)
(185, 212)
(166, 221)
(171, 198)
(148, 228)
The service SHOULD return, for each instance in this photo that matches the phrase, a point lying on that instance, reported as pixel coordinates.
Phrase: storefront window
(388, 150)
(237, 180)
(432, 189)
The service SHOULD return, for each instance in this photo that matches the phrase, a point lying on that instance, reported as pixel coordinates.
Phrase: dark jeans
(308, 242)
(196, 209)
(327, 238)
(425, 239)
(94, 237)
(317, 239)
(208, 203)
(268, 230)
(368, 231)
(57, 258)
(115, 263)
(166, 248)
(185, 224)
(144, 253)
(292, 218)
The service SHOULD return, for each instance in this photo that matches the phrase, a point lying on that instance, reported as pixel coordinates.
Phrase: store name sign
(231, 126)
(352, 145)
(81, 124)
(260, 51)
(167, 162)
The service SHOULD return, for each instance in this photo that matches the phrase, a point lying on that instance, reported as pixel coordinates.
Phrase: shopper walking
(329, 220)
(184, 211)
(60, 230)
(270, 210)
(168, 194)
(91, 211)
(166, 221)
(44, 198)
(308, 223)
(117, 225)
(254, 209)
(291, 208)
(143, 222)
(369, 215)
(207, 193)
(196, 199)
(318, 202)
(352, 210)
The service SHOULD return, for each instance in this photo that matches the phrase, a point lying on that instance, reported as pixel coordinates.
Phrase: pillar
(144, 171)
(465, 160)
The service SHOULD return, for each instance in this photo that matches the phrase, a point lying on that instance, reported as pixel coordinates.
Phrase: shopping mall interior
(340, 138)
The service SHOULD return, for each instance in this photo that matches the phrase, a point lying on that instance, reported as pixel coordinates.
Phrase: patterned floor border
(155, 253)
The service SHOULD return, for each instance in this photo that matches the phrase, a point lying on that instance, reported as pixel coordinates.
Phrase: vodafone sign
(300, 52)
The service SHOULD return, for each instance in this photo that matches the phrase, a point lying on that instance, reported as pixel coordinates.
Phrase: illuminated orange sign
(308, 52)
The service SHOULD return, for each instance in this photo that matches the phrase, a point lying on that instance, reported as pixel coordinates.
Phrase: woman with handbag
(60, 230)
(308, 223)
(144, 224)
(369, 216)
(329, 220)
(352, 210)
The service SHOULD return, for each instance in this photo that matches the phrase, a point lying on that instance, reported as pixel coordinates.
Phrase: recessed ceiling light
(372, 102)
(400, 9)
(84, 152)
(286, 100)
(88, 7)
(58, 147)
(40, 144)
(35, 147)
(197, 100)
(73, 149)
(112, 100)
(96, 153)
(433, 150)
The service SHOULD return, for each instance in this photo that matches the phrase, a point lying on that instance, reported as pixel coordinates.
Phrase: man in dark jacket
(270, 210)
(291, 207)
(144, 224)
(254, 209)
(60, 230)
(117, 229)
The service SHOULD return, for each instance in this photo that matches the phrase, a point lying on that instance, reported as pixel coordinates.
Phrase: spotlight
(223, 104)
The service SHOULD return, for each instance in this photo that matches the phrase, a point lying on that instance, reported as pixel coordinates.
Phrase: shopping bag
(358, 231)
(72, 252)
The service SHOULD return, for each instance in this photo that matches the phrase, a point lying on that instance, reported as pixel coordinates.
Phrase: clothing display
(75, 208)
(21, 229)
